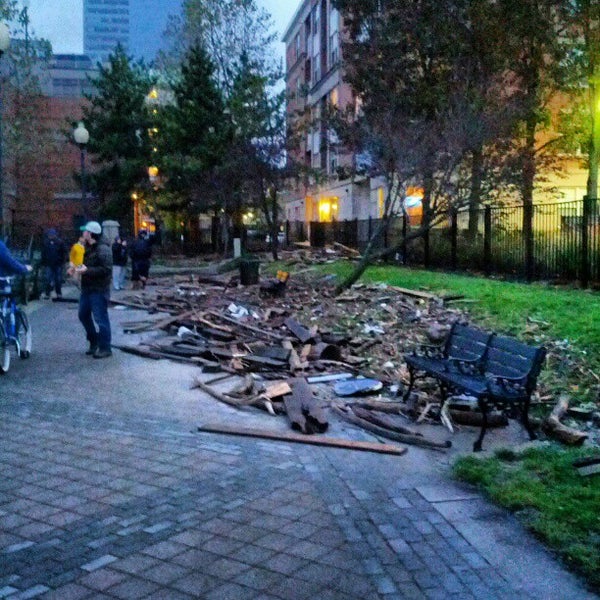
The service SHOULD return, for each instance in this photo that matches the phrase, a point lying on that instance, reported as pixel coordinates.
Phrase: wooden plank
(349, 416)
(301, 332)
(415, 293)
(298, 438)
(259, 332)
(589, 470)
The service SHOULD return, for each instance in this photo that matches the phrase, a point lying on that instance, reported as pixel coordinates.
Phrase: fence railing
(565, 241)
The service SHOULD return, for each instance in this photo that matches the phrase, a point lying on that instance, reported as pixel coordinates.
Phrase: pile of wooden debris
(286, 347)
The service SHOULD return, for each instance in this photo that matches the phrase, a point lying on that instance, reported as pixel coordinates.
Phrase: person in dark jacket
(119, 257)
(10, 265)
(96, 274)
(53, 259)
(141, 253)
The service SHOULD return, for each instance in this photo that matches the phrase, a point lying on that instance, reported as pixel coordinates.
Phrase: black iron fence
(565, 241)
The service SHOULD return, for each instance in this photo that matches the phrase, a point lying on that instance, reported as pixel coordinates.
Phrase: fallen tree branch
(552, 426)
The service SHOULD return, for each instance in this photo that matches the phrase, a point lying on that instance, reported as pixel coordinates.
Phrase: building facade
(105, 24)
(314, 82)
(47, 193)
(148, 21)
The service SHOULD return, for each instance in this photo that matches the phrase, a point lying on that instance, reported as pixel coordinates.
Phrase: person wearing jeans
(53, 259)
(96, 274)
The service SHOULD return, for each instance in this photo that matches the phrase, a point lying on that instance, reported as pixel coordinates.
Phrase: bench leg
(525, 419)
(411, 383)
(477, 446)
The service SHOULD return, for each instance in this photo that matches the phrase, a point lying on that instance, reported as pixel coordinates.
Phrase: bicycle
(14, 326)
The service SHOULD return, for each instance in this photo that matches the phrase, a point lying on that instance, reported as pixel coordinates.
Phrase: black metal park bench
(500, 372)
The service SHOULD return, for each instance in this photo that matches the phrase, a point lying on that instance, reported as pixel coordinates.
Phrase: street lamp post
(4, 43)
(82, 136)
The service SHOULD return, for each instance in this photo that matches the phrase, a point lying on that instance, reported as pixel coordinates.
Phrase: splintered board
(315, 440)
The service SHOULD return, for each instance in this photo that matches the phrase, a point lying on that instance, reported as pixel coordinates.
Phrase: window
(334, 49)
(315, 18)
(297, 46)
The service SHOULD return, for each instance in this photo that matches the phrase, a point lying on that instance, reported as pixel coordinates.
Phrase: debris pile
(304, 352)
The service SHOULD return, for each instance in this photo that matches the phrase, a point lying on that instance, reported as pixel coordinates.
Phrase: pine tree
(118, 122)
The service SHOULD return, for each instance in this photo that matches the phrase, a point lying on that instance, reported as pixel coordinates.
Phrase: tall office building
(147, 24)
(105, 24)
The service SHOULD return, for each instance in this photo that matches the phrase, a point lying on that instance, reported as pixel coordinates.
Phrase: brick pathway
(108, 491)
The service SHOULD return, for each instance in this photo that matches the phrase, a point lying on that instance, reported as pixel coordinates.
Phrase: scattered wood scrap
(304, 413)
(347, 414)
(313, 335)
(305, 439)
(589, 465)
(557, 430)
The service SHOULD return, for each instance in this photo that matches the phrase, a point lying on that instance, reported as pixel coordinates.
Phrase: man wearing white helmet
(96, 275)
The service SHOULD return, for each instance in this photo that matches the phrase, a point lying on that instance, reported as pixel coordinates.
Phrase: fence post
(585, 242)
(404, 232)
(487, 239)
(453, 238)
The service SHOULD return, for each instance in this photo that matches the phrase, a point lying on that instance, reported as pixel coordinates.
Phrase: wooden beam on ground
(299, 438)
(414, 293)
(423, 442)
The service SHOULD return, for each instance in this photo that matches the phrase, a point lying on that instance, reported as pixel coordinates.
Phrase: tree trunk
(528, 177)
(594, 155)
(475, 192)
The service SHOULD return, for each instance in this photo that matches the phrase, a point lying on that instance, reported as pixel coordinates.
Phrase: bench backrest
(508, 357)
(466, 343)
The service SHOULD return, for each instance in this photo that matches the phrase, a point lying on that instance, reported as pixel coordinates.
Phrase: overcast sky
(61, 21)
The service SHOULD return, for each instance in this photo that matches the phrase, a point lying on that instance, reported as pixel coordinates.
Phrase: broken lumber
(586, 466)
(346, 250)
(303, 439)
(238, 403)
(304, 413)
(259, 332)
(347, 415)
(382, 420)
(554, 428)
(415, 293)
(294, 360)
(304, 335)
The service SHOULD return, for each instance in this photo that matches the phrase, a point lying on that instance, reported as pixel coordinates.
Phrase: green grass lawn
(540, 485)
(552, 499)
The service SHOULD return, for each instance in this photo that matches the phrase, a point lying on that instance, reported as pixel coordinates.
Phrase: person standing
(10, 265)
(141, 253)
(119, 257)
(53, 259)
(76, 258)
(96, 273)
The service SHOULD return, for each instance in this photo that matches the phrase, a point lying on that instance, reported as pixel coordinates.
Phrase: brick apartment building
(314, 80)
(41, 191)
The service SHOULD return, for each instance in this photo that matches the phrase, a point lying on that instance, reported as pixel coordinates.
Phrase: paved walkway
(108, 491)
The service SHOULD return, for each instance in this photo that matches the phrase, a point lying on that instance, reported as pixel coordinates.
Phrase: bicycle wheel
(4, 351)
(23, 334)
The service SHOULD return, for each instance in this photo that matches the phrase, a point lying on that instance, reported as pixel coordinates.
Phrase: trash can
(249, 271)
